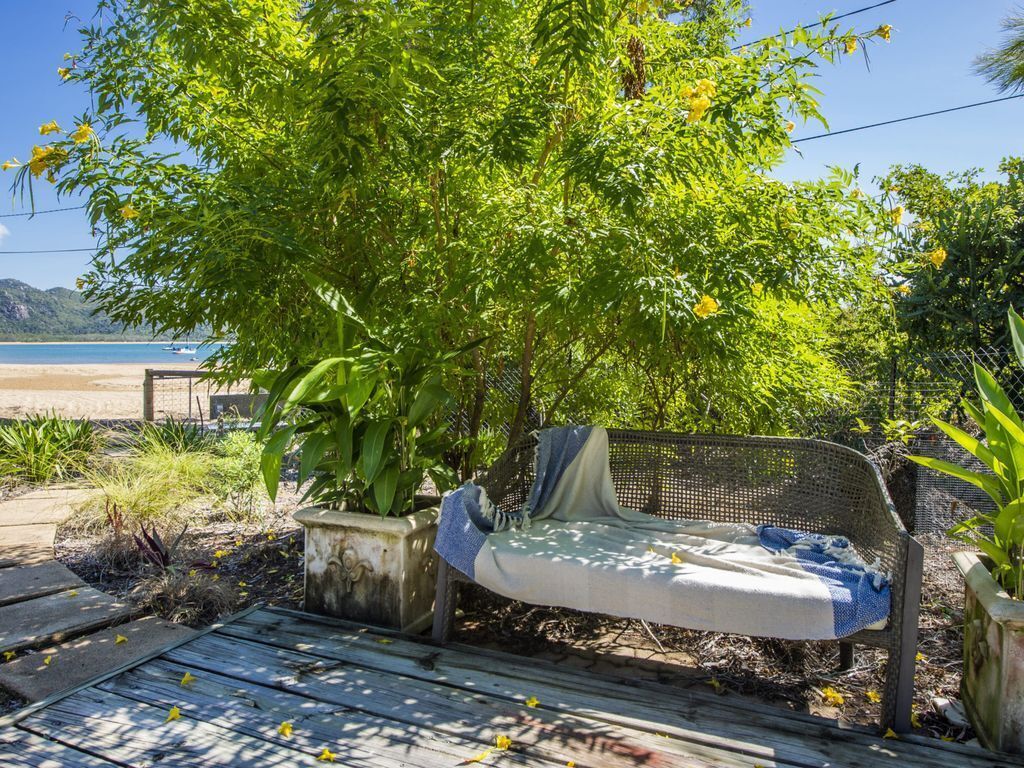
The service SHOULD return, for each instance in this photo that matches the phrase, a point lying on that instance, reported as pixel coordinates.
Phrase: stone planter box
(370, 569)
(993, 680)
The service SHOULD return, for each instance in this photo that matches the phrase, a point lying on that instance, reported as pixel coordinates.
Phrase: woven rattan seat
(808, 485)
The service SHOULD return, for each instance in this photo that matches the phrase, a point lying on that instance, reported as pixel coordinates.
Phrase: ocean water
(152, 353)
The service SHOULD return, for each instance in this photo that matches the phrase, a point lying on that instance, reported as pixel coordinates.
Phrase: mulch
(260, 561)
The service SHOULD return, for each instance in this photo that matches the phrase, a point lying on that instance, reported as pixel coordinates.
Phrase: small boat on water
(184, 351)
(171, 348)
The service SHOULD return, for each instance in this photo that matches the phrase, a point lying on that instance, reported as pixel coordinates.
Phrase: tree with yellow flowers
(587, 185)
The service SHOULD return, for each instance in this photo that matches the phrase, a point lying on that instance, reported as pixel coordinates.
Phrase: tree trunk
(476, 415)
(525, 380)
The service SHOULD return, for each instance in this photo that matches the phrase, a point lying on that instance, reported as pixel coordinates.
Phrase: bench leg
(902, 660)
(446, 597)
(846, 656)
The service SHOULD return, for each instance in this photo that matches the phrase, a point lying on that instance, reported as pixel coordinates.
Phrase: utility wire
(36, 213)
(816, 24)
(905, 119)
(52, 250)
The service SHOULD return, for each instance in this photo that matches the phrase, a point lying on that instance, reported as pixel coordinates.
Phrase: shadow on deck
(375, 698)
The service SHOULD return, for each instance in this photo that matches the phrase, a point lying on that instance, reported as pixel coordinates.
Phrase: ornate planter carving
(366, 568)
(993, 680)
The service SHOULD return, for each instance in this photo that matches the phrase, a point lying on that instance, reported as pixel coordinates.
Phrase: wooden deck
(384, 700)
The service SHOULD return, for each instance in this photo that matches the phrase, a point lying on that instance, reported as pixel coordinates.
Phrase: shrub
(43, 448)
(171, 435)
(141, 494)
(236, 474)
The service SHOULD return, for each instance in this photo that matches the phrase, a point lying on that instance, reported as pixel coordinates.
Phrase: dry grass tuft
(193, 598)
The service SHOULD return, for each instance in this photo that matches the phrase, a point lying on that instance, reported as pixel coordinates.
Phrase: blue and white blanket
(572, 545)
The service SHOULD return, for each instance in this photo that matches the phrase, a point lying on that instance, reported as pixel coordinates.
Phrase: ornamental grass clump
(39, 449)
(1000, 447)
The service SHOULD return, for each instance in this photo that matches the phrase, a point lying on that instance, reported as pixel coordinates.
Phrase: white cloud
(4, 232)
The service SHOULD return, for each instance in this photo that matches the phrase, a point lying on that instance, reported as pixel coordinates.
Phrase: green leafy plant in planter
(1000, 447)
(366, 420)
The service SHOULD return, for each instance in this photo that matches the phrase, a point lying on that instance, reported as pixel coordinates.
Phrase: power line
(905, 119)
(52, 250)
(816, 24)
(36, 213)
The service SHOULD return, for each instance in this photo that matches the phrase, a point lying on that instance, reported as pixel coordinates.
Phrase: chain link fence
(899, 407)
(182, 395)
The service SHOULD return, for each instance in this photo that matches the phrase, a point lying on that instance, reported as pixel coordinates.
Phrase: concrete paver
(45, 505)
(26, 544)
(57, 617)
(25, 582)
(76, 661)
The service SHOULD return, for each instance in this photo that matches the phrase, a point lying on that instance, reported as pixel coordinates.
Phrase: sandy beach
(97, 391)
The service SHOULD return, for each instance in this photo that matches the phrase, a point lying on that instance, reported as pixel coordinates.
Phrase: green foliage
(367, 419)
(171, 436)
(171, 469)
(962, 260)
(1000, 448)
(38, 449)
(1004, 66)
(236, 474)
(477, 170)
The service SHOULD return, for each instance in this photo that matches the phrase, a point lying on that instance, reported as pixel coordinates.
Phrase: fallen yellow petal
(8, 655)
(174, 714)
(533, 701)
(74, 593)
(285, 729)
(713, 682)
(384, 640)
(47, 660)
(915, 720)
(920, 657)
(873, 696)
(326, 756)
(832, 696)
(478, 758)
(676, 560)
(890, 734)
(502, 742)
(187, 678)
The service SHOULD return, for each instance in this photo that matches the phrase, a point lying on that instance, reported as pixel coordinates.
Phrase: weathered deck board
(540, 734)
(19, 749)
(381, 700)
(701, 718)
(258, 711)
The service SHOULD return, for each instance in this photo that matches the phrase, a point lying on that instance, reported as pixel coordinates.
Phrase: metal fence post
(147, 396)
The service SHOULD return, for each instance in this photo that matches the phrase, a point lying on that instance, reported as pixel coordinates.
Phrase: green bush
(170, 469)
(172, 435)
(236, 474)
(43, 448)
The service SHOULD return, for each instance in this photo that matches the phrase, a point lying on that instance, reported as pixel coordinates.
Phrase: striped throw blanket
(573, 545)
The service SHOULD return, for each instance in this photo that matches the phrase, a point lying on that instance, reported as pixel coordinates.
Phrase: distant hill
(56, 314)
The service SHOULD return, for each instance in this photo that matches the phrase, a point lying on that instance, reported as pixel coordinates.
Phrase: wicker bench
(808, 485)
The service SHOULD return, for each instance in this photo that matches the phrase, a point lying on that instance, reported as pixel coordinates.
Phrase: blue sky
(927, 66)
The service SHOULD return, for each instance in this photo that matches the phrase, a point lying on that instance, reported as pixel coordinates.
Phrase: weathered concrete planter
(993, 681)
(371, 569)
